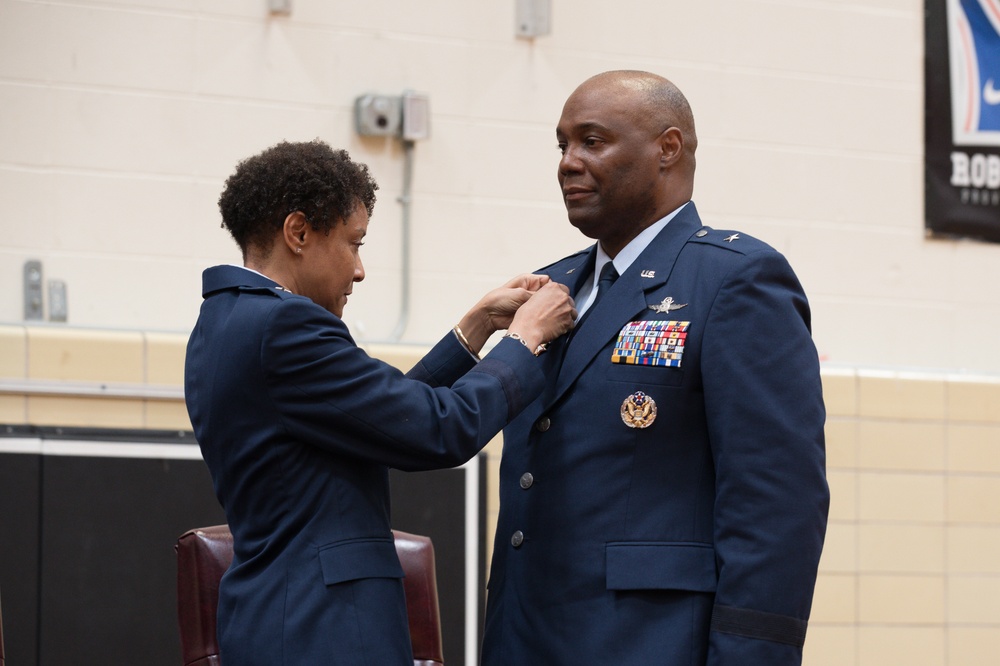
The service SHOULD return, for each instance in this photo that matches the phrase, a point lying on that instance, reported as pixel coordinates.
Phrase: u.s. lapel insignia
(667, 305)
(648, 274)
(638, 410)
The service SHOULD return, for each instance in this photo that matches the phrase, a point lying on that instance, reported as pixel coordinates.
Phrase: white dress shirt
(625, 258)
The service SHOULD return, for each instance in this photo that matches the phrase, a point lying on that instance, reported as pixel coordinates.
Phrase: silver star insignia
(667, 305)
(730, 239)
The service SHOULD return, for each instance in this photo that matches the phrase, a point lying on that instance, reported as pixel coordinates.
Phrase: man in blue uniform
(664, 501)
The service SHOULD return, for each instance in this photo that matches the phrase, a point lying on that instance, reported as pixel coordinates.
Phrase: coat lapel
(574, 271)
(627, 299)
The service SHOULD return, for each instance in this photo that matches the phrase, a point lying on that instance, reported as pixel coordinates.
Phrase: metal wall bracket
(34, 306)
(58, 304)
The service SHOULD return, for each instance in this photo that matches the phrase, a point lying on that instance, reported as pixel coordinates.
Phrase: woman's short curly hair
(310, 177)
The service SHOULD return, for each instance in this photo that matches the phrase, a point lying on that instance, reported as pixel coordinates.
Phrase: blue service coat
(694, 540)
(298, 427)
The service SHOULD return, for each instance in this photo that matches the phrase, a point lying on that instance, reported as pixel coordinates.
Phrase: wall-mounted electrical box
(406, 116)
(416, 116)
(533, 18)
(378, 115)
(280, 7)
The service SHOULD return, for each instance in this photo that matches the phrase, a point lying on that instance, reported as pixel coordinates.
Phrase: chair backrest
(204, 554)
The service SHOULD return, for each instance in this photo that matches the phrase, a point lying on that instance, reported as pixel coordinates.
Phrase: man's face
(610, 163)
(333, 264)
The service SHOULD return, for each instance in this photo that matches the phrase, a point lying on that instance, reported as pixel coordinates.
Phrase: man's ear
(671, 142)
(295, 231)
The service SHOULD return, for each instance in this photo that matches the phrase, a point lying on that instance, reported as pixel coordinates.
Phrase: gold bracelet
(465, 343)
(539, 350)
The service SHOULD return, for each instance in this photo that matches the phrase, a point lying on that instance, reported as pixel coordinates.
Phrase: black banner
(962, 119)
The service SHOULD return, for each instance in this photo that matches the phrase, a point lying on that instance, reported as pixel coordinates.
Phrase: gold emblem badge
(638, 410)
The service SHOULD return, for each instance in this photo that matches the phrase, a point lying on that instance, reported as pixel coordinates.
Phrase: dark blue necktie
(608, 277)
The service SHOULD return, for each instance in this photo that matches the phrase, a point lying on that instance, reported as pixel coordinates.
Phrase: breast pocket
(641, 374)
(359, 558)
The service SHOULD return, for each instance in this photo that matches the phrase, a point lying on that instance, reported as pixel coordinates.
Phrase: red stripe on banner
(992, 7)
(970, 65)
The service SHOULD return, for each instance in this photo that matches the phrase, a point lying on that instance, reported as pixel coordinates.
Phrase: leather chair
(204, 554)
(1, 639)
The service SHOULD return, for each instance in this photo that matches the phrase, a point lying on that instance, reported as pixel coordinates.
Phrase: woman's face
(331, 262)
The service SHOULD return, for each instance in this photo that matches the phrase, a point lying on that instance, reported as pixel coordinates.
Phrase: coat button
(517, 539)
(543, 424)
(527, 480)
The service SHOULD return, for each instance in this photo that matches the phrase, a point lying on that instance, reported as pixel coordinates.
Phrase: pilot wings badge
(667, 305)
(638, 410)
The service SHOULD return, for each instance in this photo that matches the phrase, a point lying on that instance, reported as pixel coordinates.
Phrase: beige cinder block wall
(121, 119)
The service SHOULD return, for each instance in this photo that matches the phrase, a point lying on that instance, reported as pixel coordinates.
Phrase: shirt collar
(253, 271)
(635, 247)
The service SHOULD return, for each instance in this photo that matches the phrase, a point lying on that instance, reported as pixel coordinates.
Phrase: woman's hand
(549, 313)
(495, 311)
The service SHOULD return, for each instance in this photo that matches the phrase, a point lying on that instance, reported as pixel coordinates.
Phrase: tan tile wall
(911, 569)
(84, 363)
(13, 365)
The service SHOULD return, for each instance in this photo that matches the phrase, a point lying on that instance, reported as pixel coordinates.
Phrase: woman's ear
(295, 231)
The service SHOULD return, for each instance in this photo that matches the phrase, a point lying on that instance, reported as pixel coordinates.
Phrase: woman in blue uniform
(299, 426)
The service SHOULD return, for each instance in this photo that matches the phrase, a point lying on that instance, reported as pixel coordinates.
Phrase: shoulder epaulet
(735, 241)
(278, 291)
